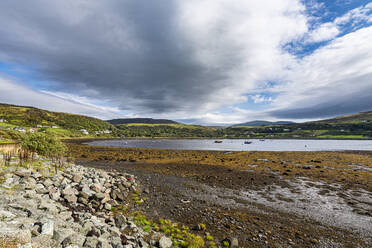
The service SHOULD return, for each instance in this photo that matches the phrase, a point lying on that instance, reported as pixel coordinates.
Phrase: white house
(20, 129)
(54, 126)
(107, 131)
(84, 131)
(2, 120)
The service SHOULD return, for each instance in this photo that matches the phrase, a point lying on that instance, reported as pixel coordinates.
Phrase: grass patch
(341, 136)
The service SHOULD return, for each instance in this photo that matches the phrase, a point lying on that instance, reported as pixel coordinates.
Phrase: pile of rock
(70, 209)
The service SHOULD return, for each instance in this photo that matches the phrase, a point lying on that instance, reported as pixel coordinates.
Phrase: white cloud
(324, 32)
(13, 93)
(261, 99)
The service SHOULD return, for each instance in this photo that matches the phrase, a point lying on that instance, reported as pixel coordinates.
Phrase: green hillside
(359, 118)
(38, 120)
(165, 130)
(356, 126)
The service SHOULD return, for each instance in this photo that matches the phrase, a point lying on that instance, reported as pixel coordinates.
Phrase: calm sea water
(239, 145)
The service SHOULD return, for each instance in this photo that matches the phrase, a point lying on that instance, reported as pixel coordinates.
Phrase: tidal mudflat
(264, 199)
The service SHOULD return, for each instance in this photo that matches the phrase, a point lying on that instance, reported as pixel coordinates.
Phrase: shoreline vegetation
(18, 121)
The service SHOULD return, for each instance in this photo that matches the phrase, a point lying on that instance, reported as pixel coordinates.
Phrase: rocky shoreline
(72, 208)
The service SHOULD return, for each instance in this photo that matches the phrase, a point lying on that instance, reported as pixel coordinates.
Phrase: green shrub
(45, 145)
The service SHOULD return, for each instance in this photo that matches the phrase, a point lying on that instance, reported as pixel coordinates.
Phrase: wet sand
(264, 199)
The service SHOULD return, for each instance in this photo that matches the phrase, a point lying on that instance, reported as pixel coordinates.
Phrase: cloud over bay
(206, 60)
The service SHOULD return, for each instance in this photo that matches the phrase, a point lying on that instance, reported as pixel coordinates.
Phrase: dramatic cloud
(13, 93)
(196, 59)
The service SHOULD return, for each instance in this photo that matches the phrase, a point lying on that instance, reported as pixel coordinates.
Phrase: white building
(84, 131)
(20, 129)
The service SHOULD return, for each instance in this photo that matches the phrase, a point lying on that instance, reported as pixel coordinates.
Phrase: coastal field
(276, 199)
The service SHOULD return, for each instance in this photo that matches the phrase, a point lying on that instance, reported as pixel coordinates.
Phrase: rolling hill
(59, 124)
(258, 123)
(362, 117)
(141, 120)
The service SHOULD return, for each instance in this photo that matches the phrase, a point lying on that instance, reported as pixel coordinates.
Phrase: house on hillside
(32, 130)
(2, 120)
(39, 126)
(107, 131)
(54, 126)
(20, 129)
(84, 131)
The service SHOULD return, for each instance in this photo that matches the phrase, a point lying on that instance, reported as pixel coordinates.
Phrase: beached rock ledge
(69, 209)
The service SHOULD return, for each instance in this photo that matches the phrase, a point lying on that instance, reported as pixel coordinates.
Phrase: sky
(195, 61)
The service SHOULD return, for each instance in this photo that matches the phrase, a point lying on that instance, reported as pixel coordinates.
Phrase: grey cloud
(345, 97)
(131, 52)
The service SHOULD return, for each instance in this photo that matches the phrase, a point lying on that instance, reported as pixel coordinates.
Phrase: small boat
(262, 140)
(247, 142)
(218, 141)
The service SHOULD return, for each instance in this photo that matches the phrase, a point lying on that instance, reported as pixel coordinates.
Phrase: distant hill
(60, 124)
(141, 120)
(262, 123)
(362, 117)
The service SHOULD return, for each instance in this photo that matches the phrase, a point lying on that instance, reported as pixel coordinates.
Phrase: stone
(28, 245)
(84, 195)
(23, 172)
(143, 243)
(61, 234)
(82, 200)
(102, 243)
(234, 243)
(165, 242)
(48, 206)
(120, 221)
(77, 178)
(70, 198)
(8, 233)
(72, 246)
(96, 187)
(91, 242)
(103, 175)
(108, 206)
(86, 228)
(40, 189)
(54, 194)
(100, 196)
(48, 228)
(116, 242)
(69, 191)
(6, 215)
(48, 182)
